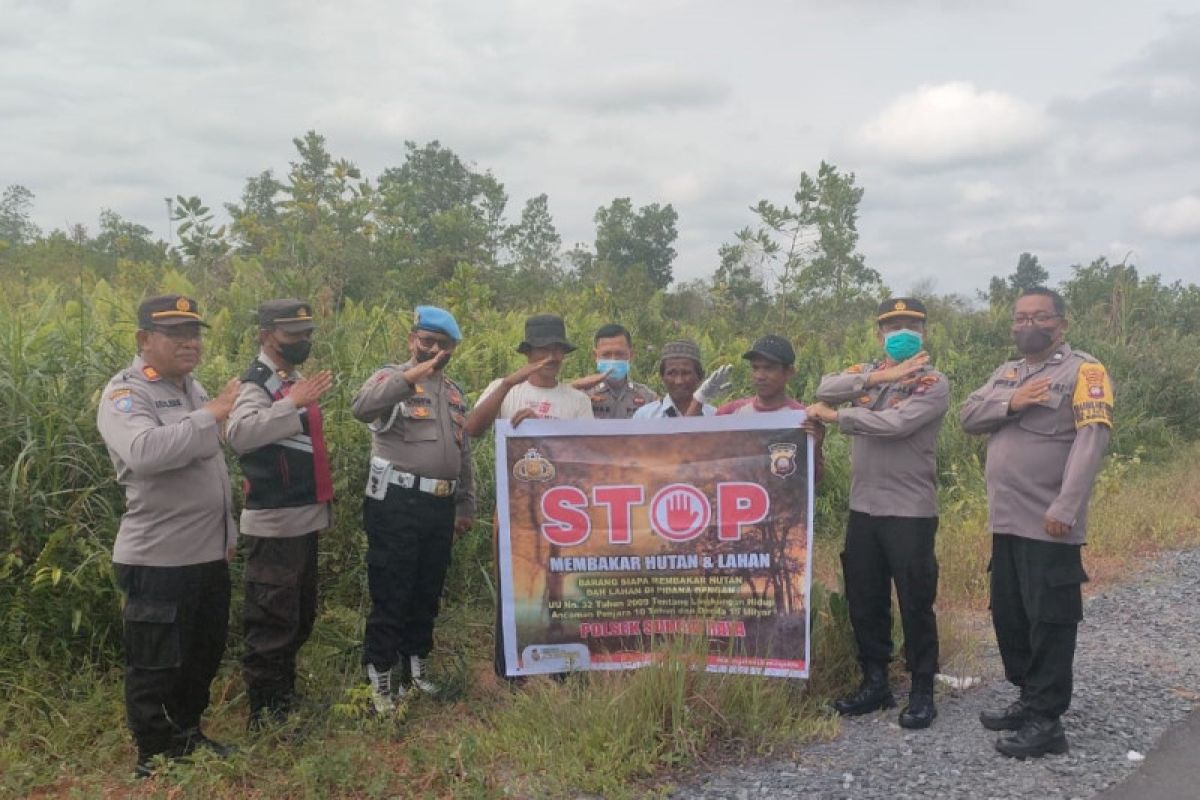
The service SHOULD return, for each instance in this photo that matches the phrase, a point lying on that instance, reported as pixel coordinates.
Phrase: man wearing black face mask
(1049, 416)
(276, 429)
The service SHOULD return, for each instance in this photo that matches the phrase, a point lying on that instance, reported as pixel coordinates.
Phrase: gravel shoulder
(1137, 672)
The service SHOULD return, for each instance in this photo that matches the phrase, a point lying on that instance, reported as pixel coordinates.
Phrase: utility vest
(293, 471)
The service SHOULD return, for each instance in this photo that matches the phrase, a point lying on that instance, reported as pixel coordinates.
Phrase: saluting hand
(423, 369)
(583, 384)
(521, 375)
(898, 372)
(222, 404)
(1028, 394)
(307, 391)
(715, 385)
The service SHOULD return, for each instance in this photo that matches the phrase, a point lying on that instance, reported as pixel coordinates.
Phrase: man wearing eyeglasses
(277, 430)
(163, 433)
(1048, 416)
(420, 492)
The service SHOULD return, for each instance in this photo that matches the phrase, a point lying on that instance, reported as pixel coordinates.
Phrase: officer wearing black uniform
(1048, 417)
(277, 430)
(420, 490)
(163, 433)
(895, 412)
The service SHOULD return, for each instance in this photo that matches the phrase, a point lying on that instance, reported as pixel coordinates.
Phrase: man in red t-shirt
(772, 365)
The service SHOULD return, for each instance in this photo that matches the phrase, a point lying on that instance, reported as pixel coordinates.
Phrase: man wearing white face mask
(613, 395)
(894, 415)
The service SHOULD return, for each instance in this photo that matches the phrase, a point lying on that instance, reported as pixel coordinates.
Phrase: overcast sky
(978, 129)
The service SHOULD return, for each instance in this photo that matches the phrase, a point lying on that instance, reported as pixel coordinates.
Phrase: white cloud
(951, 124)
(1177, 219)
(979, 193)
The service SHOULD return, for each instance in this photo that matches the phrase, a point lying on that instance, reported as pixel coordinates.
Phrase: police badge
(533, 467)
(783, 459)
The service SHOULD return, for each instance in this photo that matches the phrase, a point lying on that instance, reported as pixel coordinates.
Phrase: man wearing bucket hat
(277, 429)
(534, 389)
(895, 411)
(170, 558)
(420, 492)
(681, 371)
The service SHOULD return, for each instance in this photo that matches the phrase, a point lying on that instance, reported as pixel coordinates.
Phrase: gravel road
(1137, 671)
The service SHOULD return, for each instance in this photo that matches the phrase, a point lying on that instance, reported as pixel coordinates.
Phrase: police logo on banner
(533, 466)
(783, 459)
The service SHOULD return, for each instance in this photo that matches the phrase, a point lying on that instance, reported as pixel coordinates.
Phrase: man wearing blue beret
(420, 491)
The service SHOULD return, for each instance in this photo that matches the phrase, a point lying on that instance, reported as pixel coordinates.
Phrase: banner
(614, 534)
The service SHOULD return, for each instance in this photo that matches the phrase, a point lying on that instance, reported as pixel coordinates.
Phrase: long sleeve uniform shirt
(420, 428)
(257, 421)
(1042, 461)
(167, 452)
(894, 429)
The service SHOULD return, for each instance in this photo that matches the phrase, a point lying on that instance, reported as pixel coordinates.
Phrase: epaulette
(854, 369)
(257, 372)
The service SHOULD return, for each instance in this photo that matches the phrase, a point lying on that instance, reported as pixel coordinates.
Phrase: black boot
(1038, 736)
(872, 695)
(193, 739)
(920, 711)
(170, 749)
(1008, 719)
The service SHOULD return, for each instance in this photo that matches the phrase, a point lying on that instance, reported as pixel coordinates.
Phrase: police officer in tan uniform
(1048, 417)
(420, 491)
(163, 433)
(277, 430)
(613, 394)
(895, 412)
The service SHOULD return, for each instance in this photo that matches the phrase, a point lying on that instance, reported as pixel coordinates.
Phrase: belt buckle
(441, 488)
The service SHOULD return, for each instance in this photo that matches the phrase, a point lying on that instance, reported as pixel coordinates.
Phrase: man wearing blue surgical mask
(613, 395)
(894, 413)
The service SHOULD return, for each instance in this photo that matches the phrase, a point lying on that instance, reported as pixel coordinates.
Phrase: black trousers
(280, 608)
(176, 619)
(1037, 603)
(409, 539)
(878, 552)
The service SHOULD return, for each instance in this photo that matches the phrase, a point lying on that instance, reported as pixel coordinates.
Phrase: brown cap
(168, 309)
(684, 348)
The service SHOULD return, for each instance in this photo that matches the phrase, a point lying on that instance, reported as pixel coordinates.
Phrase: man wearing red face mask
(1048, 417)
(420, 492)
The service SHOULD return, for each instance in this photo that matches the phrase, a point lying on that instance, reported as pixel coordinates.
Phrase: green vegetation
(434, 229)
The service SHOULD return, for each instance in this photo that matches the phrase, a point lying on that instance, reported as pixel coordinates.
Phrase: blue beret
(438, 320)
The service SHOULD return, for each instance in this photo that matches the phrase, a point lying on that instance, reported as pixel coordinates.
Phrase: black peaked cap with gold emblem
(169, 309)
(291, 316)
(900, 307)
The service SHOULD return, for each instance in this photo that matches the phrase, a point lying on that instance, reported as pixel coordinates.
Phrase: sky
(979, 130)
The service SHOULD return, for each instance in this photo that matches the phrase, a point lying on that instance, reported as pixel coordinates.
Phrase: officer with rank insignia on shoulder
(420, 491)
(612, 393)
(277, 430)
(163, 434)
(896, 407)
(1048, 417)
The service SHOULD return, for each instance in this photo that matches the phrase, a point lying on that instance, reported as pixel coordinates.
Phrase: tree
(16, 226)
(533, 244)
(629, 241)
(739, 283)
(120, 238)
(1003, 292)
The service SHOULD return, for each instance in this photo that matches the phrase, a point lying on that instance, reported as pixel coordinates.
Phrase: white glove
(715, 385)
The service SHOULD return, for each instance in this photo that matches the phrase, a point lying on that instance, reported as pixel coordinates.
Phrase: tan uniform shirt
(893, 452)
(619, 402)
(257, 421)
(167, 452)
(1043, 461)
(420, 428)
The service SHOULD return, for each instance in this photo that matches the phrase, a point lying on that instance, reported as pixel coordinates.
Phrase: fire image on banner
(615, 534)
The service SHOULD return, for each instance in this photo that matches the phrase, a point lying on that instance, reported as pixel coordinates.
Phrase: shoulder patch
(1093, 398)
(122, 400)
(854, 369)
(150, 374)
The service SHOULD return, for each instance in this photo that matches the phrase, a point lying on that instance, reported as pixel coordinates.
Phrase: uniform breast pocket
(420, 430)
(1048, 418)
